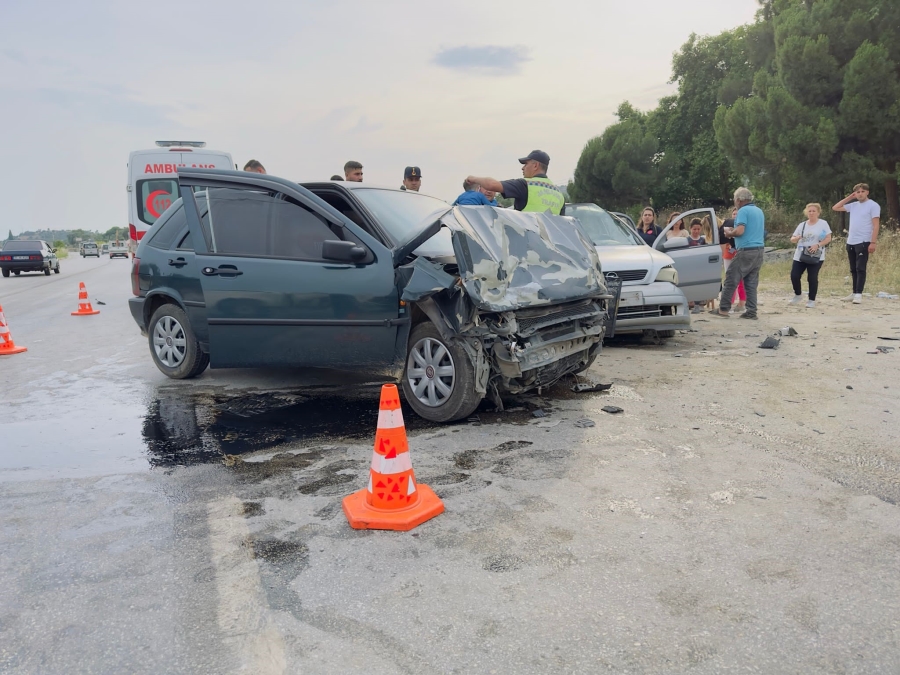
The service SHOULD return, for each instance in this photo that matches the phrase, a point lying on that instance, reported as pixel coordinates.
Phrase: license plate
(631, 299)
(20, 257)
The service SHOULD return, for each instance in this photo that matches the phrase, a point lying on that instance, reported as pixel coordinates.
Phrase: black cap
(538, 156)
(412, 172)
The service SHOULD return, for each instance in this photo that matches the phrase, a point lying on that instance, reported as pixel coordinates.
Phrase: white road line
(243, 614)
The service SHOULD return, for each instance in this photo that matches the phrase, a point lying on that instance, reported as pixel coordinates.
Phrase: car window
(164, 232)
(20, 245)
(601, 227)
(186, 243)
(251, 223)
(401, 213)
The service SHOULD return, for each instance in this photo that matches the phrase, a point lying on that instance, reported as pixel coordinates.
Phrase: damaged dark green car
(249, 270)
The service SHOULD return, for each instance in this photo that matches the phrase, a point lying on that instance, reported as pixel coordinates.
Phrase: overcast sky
(455, 88)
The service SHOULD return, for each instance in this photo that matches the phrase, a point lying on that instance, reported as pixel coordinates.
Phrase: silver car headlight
(668, 273)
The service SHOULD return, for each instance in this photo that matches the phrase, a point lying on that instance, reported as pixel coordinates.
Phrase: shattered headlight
(668, 273)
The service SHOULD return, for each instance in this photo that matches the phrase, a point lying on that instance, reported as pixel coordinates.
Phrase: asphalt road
(151, 526)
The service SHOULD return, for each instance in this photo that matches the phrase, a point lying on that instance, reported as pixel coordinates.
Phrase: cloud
(487, 60)
(103, 107)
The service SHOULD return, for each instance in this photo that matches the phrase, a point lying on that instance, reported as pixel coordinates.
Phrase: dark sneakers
(748, 316)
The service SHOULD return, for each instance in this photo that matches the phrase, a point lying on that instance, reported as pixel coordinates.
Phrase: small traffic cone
(7, 346)
(392, 500)
(84, 305)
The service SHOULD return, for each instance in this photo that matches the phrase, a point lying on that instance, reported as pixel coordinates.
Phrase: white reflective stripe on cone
(390, 419)
(369, 486)
(412, 485)
(397, 464)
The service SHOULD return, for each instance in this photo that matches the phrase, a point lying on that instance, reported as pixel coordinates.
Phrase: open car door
(699, 267)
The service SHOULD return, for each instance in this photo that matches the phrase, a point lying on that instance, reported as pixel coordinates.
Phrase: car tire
(56, 271)
(173, 345)
(17, 272)
(47, 271)
(448, 394)
(6, 273)
(664, 334)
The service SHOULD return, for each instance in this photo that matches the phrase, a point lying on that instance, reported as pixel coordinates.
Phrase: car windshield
(602, 228)
(401, 213)
(90, 245)
(21, 245)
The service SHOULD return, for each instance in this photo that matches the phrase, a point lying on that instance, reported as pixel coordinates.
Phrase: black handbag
(806, 256)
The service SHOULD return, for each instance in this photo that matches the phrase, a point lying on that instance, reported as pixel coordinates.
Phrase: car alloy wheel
(169, 341)
(430, 372)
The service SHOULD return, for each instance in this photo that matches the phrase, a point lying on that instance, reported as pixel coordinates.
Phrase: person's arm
(487, 183)
(876, 222)
(798, 233)
(840, 206)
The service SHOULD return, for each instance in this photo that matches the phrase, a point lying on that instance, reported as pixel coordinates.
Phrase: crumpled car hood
(508, 259)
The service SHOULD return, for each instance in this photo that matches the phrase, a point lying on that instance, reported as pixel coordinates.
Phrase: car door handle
(178, 262)
(223, 270)
(713, 258)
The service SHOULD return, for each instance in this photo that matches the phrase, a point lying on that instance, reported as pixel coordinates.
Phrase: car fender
(165, 294)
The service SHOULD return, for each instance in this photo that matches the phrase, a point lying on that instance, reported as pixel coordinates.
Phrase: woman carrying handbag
(811, 238)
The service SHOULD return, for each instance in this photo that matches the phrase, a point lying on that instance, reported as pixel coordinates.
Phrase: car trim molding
(349, 323)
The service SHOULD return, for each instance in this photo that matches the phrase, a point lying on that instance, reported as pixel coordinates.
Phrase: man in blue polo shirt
(748, 233)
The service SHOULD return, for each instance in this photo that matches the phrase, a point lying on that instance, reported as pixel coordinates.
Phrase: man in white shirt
(862, 238)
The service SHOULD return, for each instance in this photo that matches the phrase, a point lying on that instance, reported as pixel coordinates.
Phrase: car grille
(528, 325)
(638, 312)
(552, 372)
(631, 275)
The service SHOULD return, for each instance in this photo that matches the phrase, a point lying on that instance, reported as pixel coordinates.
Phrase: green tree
(617, 168)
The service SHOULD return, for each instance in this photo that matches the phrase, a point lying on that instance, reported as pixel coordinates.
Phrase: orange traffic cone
(84, 305)
(7, 346)
(392, 500)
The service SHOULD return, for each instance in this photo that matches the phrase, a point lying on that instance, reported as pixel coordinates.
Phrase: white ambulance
(153, 179)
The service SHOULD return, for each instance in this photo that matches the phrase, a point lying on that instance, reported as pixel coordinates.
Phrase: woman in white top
(678, 229)
(813, 235)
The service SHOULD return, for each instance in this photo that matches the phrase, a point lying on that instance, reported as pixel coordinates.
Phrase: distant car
(249, 270)
(650, 298)
(118, 250)
(104, 249)
(89, 249)
(23, 255)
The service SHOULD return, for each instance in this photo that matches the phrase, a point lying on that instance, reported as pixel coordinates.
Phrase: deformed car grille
(638, 312)
(528, 325)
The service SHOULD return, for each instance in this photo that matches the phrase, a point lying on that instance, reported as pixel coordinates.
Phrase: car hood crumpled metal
(508, 260)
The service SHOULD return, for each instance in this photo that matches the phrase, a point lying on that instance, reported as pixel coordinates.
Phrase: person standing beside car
(412, 179)
(811, 238)
(254, 166)
(728, 251)
(748, 234)
(534, 192)
(353, 172)
(647, 227)
(865, 218)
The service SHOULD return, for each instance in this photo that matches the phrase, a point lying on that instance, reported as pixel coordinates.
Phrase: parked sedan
(32, 255)
(650, 297)
(250, 270)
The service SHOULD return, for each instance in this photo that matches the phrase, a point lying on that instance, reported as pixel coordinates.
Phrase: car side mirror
(343, 251)
(676, 242)
(52, 250)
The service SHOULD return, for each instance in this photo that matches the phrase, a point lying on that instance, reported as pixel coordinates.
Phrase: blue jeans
(745, 266)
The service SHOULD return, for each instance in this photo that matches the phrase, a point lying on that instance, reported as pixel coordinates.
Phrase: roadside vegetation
(798, 105)
(61, 250)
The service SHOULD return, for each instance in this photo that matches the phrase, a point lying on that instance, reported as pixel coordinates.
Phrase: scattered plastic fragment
(888, 338)
(612, 409)
(883, 349)
(584, 423)
(539, 413)
(889, 296)
(582, 387)
(787, 330)
(769, 343)
(849, 387)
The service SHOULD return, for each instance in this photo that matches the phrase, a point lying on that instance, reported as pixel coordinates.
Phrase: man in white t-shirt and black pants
(865, 216)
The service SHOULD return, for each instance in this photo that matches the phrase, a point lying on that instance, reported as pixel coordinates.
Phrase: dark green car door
(272, 299)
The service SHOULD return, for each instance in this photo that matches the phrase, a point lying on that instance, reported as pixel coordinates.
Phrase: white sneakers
(857, 298)
(848, 298)
(796, 300)
(810, 304)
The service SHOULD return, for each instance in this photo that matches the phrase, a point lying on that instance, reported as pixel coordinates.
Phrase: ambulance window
(154, 196)
(174, 224)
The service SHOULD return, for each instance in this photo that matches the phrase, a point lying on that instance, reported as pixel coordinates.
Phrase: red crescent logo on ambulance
(157, 202)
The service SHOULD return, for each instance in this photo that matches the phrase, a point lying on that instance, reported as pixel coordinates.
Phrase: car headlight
(668, 273)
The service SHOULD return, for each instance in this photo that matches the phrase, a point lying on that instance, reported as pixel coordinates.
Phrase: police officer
(412, 178)
(534, 192)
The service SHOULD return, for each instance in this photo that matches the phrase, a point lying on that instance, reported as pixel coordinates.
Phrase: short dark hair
(351, 166)
(336, 177)
(253, 165)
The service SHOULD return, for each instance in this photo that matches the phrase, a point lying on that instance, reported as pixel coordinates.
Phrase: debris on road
(769, 343)
(888, 338)
(612, 409)
(539, 413)
(849, 387)
(884, 350)
(889, 296)
(582, 387)
(585, 423)
(788, 330)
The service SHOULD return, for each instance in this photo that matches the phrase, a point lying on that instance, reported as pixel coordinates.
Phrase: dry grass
(883, 272)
